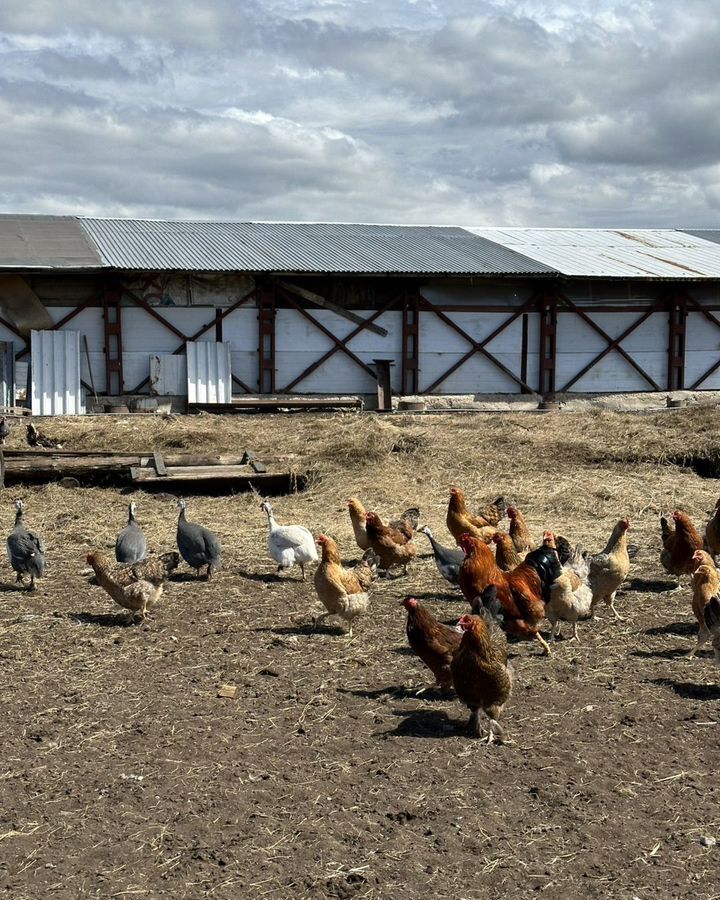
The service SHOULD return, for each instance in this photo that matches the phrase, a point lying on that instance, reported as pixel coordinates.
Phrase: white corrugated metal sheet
(55, 373)
(209, 377)
(613, 253)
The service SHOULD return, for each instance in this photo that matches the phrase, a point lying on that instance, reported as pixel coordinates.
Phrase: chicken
(447, 559)
(608, 569)
(519, 532)
(679, 544)
(4, 430)
(389, 551)
(574, 564)
(155, 570)
(567, 604)
(460, 522)
(522, 592)
(481, 675)
(357, 517)
(712, 623)
(506, 556)
(136, 596)
(705, 586)
(712, 531)
(36, 438)
(402, 528)
(494, 512)
(432, 641)
(343, 592)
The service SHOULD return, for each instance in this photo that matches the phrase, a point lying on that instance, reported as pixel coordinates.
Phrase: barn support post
(676, 346)
(266, 338)
(524, 352)
(411, 344)
(548, 343)
(112, 321)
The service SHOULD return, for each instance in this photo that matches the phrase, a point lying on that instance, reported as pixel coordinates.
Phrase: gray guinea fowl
(4, 429)
(198, 546)
(25, 549)
(131, 545)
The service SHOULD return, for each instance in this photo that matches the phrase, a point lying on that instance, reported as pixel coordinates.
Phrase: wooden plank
(241, 474)
(159, 463)
(312, 297)
(243, 403)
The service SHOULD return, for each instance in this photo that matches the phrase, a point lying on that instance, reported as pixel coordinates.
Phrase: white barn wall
(702, 348)
(578, 344)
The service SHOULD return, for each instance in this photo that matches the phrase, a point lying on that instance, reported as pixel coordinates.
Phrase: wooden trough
(241, 471)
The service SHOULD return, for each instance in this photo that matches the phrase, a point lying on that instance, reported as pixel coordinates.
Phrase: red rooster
(521, 592)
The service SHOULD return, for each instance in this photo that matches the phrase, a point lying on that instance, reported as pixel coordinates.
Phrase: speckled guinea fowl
(198, 546)
(25, 549)
(131, 545)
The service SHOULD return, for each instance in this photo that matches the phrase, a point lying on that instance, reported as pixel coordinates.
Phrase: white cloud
(494, 111)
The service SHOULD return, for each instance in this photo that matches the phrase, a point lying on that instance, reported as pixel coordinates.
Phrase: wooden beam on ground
(160, 467)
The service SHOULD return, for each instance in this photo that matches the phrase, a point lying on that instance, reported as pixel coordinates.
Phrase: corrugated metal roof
(45, 242)
(613, 253)
(302, 247)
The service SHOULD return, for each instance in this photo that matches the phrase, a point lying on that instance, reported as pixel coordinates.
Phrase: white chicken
(570, 595)
(289, 544)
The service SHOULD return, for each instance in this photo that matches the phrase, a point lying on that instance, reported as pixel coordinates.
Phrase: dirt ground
(124, 773)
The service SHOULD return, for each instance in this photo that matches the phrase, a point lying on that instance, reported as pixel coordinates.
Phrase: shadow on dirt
(399, 693)
(690, 690)
(308, 629)
(425, 723)
(266, 577)
(434, 595)
(686, 629)
(650, 586)
(103, 620)
(673, 653)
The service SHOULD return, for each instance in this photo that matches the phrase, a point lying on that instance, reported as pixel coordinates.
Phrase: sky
(464, 112)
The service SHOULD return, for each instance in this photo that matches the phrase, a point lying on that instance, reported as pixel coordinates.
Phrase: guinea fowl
(447, 559)
(4, 430)
(198, 546)
(131, 546)
(25, 549)
(289, 544)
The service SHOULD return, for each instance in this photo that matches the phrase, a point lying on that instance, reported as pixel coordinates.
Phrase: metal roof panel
(614, 253)
(137, 244)
(45, 242)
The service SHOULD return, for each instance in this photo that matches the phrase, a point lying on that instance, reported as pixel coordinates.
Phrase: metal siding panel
(55, 365)
(168, 374)
(208, 367)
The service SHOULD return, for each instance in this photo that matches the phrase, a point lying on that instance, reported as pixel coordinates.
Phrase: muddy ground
(124, 773)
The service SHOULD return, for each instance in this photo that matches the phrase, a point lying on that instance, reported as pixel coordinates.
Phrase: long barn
(307, 308)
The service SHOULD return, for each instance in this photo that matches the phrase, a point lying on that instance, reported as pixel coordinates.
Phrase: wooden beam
(346, 340)
(677, 326)
(613, 345)
(312, 297)
(475, 346)
(548, 343)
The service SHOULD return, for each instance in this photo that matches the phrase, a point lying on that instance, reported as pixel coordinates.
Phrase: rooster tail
(489, 606)
(412, 517)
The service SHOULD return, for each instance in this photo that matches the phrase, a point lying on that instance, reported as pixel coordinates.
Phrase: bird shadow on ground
(690, 690)
(402, 651)
(686, 629)
(398, 692)
(103, 620)
(15, 589)
(307, 629)
(184, 577)
(673, 653)
(267, 577)
(424, 723)
(650, 585)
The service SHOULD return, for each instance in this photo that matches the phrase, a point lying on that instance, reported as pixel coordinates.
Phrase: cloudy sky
(505, 112)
